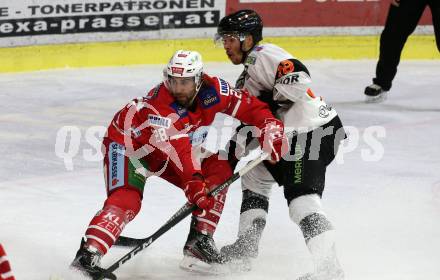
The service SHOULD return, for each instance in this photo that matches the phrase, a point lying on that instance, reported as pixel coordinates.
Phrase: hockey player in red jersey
(158, 135)
(283, 82)
(5, 268)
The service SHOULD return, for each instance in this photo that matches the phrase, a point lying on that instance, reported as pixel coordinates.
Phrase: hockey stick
(125, 241)
(181, 214)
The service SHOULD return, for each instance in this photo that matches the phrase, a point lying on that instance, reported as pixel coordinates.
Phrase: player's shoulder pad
(158, 99)
(209, 93)
(222, 86)
(288, 66)
(252, 57)
(154, 92)
(265, 52)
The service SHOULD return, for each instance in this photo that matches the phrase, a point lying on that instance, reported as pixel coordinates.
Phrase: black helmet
(242, 22)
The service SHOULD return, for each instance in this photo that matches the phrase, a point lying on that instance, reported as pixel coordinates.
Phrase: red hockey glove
(197, 193)
(273, 140)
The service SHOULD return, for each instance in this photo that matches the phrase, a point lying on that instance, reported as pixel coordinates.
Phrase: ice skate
(87, 262)
(375, 94)
(201, 255)
(246, 246)
(326, 268)
(239, 254)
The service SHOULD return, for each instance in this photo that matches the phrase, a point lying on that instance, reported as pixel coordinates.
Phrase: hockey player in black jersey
(281, 80)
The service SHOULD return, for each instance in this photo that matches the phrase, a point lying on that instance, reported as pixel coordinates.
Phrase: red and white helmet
(186, 64)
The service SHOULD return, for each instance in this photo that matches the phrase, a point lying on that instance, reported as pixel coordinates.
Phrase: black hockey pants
(400, 23)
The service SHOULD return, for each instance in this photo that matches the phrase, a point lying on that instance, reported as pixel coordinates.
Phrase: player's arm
(250, 110)
(148, 126)
(170, 137)
(292, 81)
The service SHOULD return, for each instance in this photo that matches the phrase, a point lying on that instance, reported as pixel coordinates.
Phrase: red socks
(119, 209)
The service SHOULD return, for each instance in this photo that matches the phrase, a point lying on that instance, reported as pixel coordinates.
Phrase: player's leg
(400, 23)
(200, 245)
(256, 185)
(255, 202)
(303, 194)
(5, 268)
(124, 188)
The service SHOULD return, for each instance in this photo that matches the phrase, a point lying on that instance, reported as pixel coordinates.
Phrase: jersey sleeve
(170, 136)
(261, 67)
(153, 128)
(271, 69)
(292, 81)
(243, 106)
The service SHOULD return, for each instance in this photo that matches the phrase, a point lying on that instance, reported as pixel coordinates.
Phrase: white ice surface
(386, 212)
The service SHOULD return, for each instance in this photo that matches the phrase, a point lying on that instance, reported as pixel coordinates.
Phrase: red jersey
(157, 128)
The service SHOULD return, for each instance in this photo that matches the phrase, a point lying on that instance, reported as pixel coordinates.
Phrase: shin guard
(206, 221)
(106, 227)
(120, 208)
(254, 209)
(319, 235)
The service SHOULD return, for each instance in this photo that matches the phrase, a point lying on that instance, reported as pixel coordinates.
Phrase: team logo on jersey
(159, 121)
(285, 67)
(116, 165)
(180, 110)
(324, 111)
(250, 60)
(288, 79)
(209, 97)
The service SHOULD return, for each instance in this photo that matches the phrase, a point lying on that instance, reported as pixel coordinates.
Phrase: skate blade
(195, 265)
(376, 99)
(192, 264)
